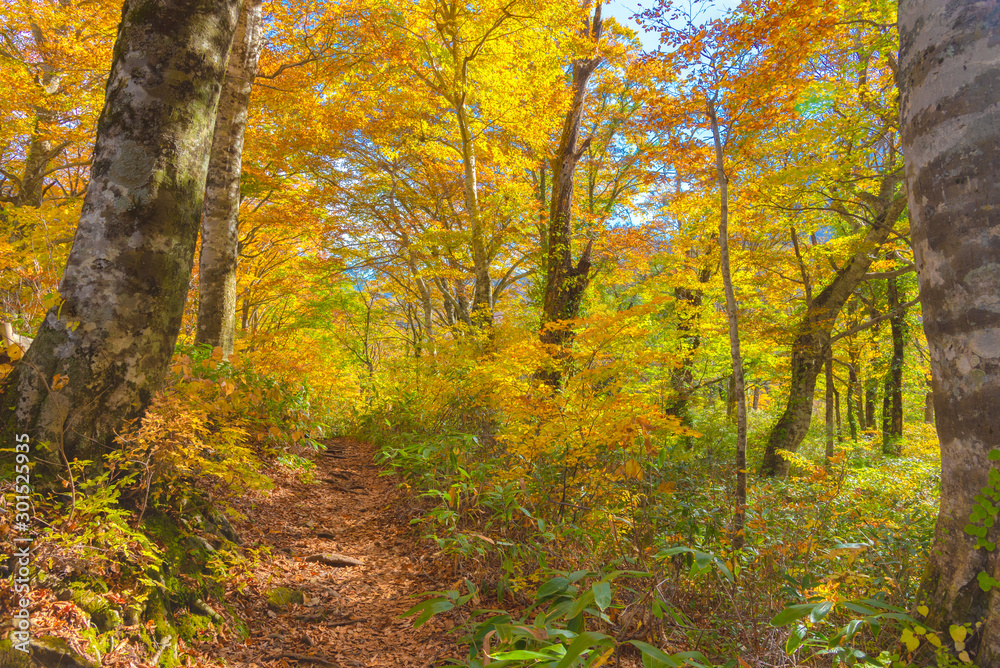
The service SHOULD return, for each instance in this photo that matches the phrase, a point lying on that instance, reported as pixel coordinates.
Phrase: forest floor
(350, 616)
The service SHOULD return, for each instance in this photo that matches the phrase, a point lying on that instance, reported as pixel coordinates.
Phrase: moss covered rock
(280, 598)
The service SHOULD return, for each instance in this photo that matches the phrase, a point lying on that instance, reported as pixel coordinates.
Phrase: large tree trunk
(127, 275)
(929, 408)
(566, 281)
(738, 383)
(219, 232)
(813, 334)
(950, 81)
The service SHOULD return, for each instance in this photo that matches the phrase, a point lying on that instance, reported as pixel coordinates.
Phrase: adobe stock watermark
(21, 555)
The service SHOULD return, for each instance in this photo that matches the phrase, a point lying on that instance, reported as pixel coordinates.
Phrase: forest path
(350, 615)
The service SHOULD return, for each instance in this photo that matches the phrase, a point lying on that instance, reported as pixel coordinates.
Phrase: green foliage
(552, 632)
(832, 628)
(983, 517)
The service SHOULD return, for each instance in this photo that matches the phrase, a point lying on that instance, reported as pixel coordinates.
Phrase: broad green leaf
(556, 585)
(583, 642)
(519, 654)
(602, 594)
(795, 639)
(821, 611)
(656, 653)
(792, 612)
(428, 609)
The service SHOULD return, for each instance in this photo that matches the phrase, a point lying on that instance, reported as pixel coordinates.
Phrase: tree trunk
(809, 349)
(219, 232)
(950, 82)
(41, 149)
(566, 282)
(682, 378)
(871, 397)
(41, 152)
(738, 383)
(482, 296)
(854, 399)
(836, 409)
(892, 419)
(127, 275)
(829, 404)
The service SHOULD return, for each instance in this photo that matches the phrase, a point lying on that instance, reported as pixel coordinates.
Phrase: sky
(623, 10)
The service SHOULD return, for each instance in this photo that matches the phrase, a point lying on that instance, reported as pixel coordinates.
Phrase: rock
(280, 598)
(52, 652)
(45, 652)
(335, 560)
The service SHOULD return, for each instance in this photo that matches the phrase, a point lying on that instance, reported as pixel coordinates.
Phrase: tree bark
(220, 213)
(738, 383)
(813, 334)
(950, 84)
(566, 281)
(127, 275)
(41, 152)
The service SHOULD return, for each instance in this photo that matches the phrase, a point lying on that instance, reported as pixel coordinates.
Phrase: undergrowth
(633, 526)
(141, 555)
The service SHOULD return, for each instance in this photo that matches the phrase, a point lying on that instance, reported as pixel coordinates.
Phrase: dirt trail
(350, 615)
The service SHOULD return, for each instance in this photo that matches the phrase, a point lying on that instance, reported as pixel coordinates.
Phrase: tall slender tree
(219, 224)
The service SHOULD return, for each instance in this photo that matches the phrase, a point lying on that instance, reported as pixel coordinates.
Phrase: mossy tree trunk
(219, 225)
(99, 357)
(950, 84)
